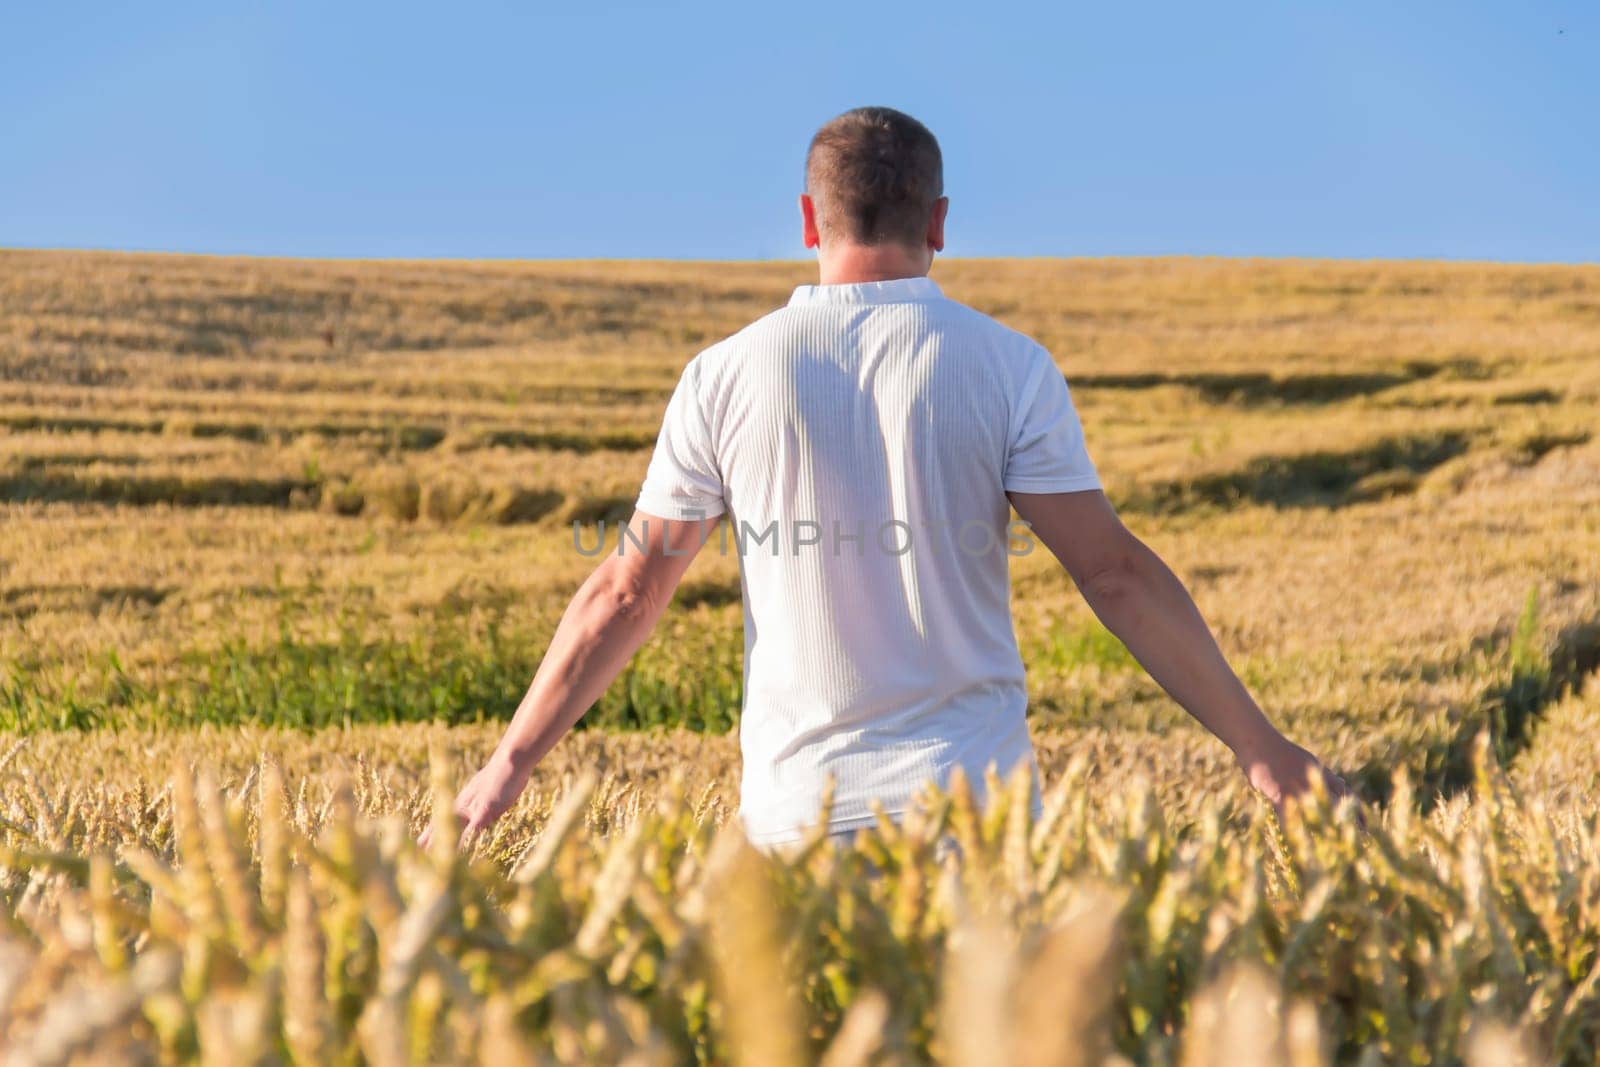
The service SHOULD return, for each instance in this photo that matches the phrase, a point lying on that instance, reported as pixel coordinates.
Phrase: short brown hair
(874, 174)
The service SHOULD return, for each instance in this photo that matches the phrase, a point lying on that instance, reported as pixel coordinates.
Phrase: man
(866, 443)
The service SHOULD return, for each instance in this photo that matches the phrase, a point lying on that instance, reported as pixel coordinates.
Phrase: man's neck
(852, 264)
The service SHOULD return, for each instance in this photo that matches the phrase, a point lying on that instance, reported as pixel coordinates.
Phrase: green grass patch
(451, 669)
(1066, 648)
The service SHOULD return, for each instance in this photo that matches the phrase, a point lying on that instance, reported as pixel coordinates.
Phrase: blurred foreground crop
(271, 922)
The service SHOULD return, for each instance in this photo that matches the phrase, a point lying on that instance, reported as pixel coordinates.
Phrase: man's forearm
(1147, 607)
(607, 621)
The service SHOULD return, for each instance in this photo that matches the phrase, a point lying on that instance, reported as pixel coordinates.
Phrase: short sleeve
(683, 481)
(1047, 453)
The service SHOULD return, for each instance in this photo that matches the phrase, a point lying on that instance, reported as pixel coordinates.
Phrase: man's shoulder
(757, 336)
(780, 320)
(982, 322)
(772, 330)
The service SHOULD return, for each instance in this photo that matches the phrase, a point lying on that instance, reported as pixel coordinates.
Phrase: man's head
(874, 180)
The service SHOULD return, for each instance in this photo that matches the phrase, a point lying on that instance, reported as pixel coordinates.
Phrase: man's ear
(941, 208)
(808, 222)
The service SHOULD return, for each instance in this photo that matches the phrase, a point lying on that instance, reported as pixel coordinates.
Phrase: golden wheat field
(281, 543)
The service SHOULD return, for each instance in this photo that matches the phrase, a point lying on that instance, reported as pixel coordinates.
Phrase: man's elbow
(626, 598)
(1115, 580)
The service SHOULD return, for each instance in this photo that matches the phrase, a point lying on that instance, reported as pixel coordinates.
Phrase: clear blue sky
(1464, 130)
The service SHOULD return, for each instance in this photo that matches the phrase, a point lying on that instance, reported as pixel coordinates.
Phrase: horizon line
(68, 249)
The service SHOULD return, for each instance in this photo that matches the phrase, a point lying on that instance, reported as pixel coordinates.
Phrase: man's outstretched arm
(609, 618)
(1146, 606)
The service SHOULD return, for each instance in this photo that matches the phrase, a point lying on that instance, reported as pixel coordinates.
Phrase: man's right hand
(1282, 771)
(1144, 604)
(489, 795)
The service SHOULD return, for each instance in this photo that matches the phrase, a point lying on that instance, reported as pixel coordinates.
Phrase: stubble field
(277, 537)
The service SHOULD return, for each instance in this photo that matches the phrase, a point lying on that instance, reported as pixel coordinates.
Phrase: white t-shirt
(861, 441)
